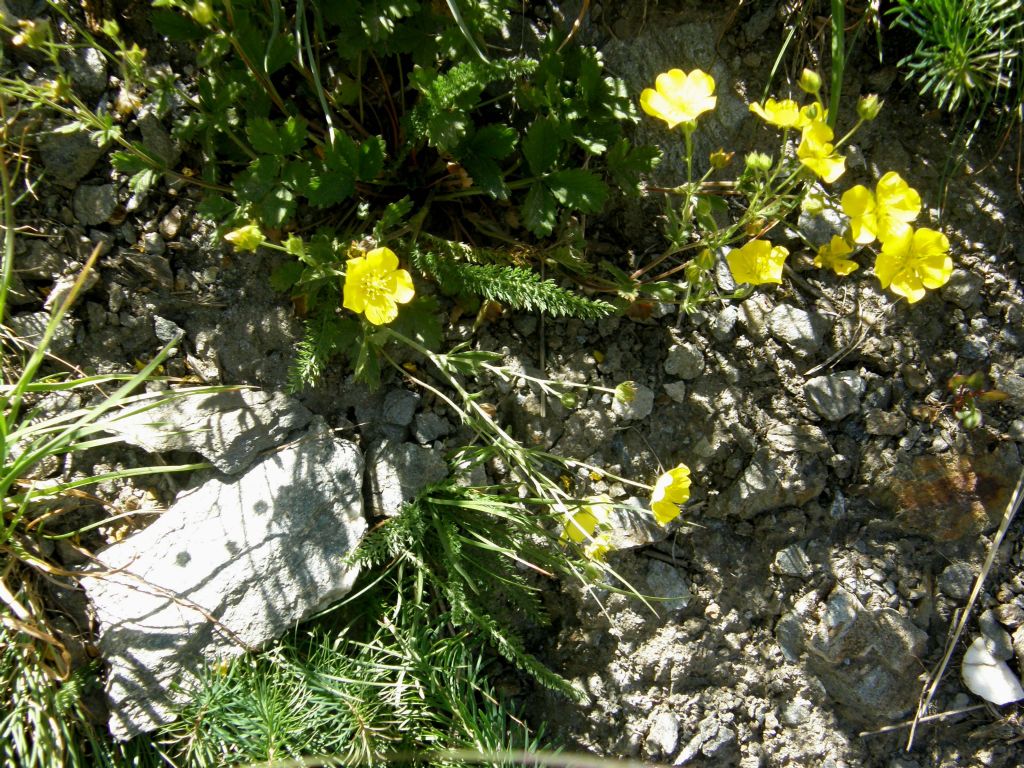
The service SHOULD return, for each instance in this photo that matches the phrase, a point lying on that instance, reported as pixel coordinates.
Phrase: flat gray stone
(399, 471)
(31, 327)
(801, 331)
(684, 361)
(663, 735)
(638, 408)
(68, 157)
(227, 428)
(836, 396)
(229, 567)
(867, 660)
(820, 229)
(429, 427)
(792, 561)
(94, 203)
(963, 288)
(771, 481)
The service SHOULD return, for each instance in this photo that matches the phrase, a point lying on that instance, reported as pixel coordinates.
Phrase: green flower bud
(758, 161)
(810, 81)
(202, 13)
(569, 400)
(869, 106)
(625, 392)
(813, 205)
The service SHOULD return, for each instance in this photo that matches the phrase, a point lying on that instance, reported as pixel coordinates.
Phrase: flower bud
(869, 106)
(569, 400)
(202, 13)
(810, 81)
(720, 159)
(813, 205)
(693, 274)
(625, 392)
(705, 259)
(758, 161)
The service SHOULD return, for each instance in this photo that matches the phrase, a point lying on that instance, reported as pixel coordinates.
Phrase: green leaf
(367, 364)
(539, 210)
(495, 141)
(175, 26)
(371, 158)
(330, 187)
(276, 208)
(487, 175)
(127, 162)
(542, 145)
(626, 164)
(267, 138)
(577, 188)
(286, 275)
(141, 182)
(420, 320)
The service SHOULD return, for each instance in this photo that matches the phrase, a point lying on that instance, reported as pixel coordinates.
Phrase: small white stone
(988, 677)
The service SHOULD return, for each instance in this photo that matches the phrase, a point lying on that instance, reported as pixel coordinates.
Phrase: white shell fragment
(988, 677)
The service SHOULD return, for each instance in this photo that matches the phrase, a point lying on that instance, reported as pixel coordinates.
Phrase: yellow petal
(404, 289)
(381, 310)
(656, 105)
(383, 259)
(907, 284)
(664, 511)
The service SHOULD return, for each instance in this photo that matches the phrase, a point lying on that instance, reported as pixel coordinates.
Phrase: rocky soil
(840, 512)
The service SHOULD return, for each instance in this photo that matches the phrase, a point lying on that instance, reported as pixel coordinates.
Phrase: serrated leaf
(420, 320)
(127, 162)
(330, 188)
(215, 207)
(141, 182)
(539, 210)
(371, 158)
(367, 363)
(495, 141)
(276, 208)
(487, 175)
(577, 188)
(268, 138)
(286, 275)
(175, 26)
(446, 129)
(542, 145)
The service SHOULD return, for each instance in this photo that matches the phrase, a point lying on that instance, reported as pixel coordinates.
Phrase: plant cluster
(909, 261)
(968, 52)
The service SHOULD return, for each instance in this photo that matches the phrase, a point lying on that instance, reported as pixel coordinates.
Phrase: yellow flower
(913, 261)
(584, 524)
(376, 286)
(247, 238)
(757, 262)
(671, 490)
(831, 257)
(679, 97)
(785, 113)
(885, 214)
(817, 152)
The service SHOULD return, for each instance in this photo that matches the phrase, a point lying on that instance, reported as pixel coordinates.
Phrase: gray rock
(166, 330)
(94, 204)
(638, 408)
(997, 640)
(963, 288)
(791, 438)
(226, 428)
(229, 567)
(171, 223)
(156, 140)
(399, 407)
(399, 471)
(663, 736)
(41, 261)
(769, 482)
(668, 584)
(868, 660)
(65, 284)
(792, 561)
(713, 739)
(68, 157)
(801, 331)
(879, 422)
(1011, 614)
(724, 323)
(88, 70)
(32, 325)
(957, 580)
(676, 390)
(684, 361)
(836, 396)
(632, 525)
(154, 243)
(156, 269)
(820, 229)
(429, 427)
(795, 712)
